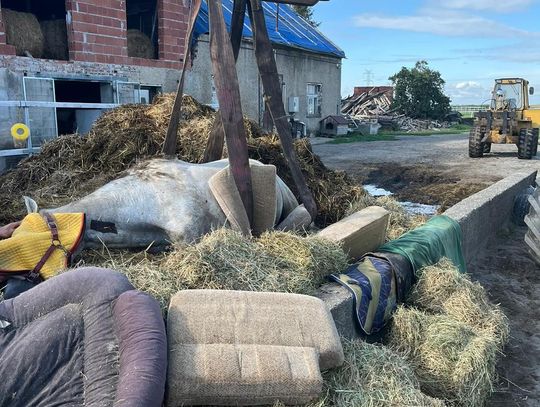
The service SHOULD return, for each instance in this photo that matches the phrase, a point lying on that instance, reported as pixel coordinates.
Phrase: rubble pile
(375, 105)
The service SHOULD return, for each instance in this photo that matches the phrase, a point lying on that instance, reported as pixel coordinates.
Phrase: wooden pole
(228, 93)
(214, 147)
(274, 100)
(169, 146)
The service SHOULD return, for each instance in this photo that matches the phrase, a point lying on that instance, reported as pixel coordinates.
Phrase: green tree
(419, 92)
(306, 13)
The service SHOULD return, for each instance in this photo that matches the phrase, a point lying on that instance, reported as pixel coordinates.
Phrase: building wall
(97, 33)
(297, 67)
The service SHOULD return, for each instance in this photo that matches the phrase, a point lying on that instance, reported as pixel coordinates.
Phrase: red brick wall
(97, 32)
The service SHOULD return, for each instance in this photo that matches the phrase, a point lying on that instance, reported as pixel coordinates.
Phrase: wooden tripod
(229, 125)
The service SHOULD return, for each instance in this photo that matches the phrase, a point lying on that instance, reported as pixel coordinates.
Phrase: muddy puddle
(411, 207)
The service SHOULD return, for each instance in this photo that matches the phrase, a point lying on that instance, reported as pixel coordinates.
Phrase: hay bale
(24, 32)
(55, 39)
(450, 358)
(373, 375)
(140, 45)
(400, 221)
(277, 262)
(442, 289)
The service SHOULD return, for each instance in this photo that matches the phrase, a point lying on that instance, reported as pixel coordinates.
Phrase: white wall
(297, 67)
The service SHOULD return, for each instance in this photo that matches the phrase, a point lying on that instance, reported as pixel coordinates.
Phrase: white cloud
(505, 6)
(467, 92)
(442, 22)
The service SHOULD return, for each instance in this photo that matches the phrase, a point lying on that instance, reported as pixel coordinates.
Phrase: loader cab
(510, 94)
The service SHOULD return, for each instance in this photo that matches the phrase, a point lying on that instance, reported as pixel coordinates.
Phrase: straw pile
(72, 166)
(55, 39)
(277, 262)
(23, 32)
(452, 335)
(139, 45)
(400, 221)
(373, 376)
(224, 259)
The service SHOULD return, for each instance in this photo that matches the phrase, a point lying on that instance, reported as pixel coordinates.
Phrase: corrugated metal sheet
(292, 30)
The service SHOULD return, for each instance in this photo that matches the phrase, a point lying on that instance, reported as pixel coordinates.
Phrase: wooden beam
(228, 93)
(274, 100)
(216, 139)
(169, 146)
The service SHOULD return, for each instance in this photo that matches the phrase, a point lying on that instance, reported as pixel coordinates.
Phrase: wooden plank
(228, 93)
(169, 145)
(216, 139)
(274, 100)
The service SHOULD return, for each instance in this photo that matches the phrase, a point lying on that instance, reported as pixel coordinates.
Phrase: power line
(368, 76)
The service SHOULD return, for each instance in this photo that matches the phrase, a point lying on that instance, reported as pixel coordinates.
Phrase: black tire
(527, 143)
(476, 147)
(535, 141)
(487, 148)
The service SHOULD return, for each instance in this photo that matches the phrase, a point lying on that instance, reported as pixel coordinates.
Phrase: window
(142, 34)
(42, 33)
(314, 99)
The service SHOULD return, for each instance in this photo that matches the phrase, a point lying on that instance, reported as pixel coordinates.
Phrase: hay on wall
(23, 32)
(55, 39)
(140, 45)
(452, 335)
(451, 359)
(442, 289)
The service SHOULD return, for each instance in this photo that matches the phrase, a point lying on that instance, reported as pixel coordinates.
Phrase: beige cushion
(224, 190)
(268, 322)
(263, 182)
(360, 233)
(242, 375)
(263, 178)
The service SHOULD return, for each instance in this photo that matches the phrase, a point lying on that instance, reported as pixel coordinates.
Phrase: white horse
(161, 202)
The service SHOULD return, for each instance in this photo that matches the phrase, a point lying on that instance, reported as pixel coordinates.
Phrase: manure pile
(72, 166)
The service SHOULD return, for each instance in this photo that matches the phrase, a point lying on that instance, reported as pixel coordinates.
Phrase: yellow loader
(509, 120)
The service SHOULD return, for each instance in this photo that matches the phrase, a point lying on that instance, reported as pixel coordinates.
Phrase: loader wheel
(476, 147)
(535, 141)
(526, 143)
(487, 148)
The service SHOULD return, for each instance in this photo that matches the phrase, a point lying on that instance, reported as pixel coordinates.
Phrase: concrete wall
(480, 216)
(483, 214)
(297, 67)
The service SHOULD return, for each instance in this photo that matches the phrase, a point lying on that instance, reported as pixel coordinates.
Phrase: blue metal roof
(292, 31)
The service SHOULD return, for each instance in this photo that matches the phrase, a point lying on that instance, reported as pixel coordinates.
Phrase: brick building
(62, 62)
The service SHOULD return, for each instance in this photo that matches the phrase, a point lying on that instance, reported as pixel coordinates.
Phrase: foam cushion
(270, 323)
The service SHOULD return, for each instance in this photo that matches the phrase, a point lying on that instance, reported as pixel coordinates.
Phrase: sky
(470, 42)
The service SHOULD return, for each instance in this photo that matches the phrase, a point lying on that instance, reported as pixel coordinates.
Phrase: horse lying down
(161, 202)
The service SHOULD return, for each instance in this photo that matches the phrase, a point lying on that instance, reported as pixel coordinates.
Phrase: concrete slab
(360, 233)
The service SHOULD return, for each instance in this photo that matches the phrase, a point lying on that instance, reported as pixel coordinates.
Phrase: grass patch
(359, 138)
(392, 135)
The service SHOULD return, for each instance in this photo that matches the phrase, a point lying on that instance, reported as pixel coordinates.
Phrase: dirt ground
(424, 169)
(437, 170)
(512, 279)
